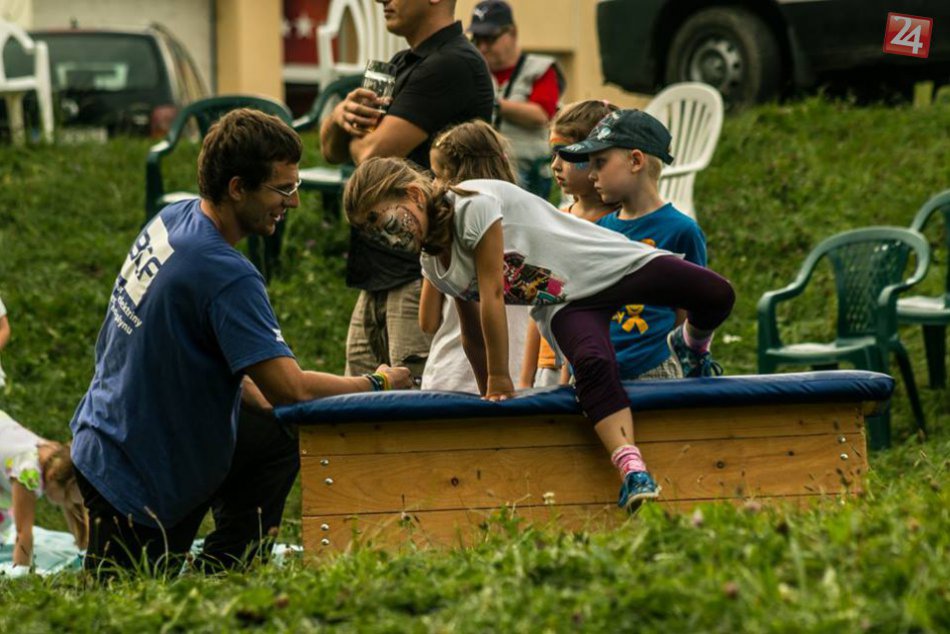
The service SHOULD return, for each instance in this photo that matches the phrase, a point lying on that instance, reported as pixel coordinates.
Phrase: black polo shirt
(441, 82)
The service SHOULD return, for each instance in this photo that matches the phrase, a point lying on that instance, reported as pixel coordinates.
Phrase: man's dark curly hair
(244, 143)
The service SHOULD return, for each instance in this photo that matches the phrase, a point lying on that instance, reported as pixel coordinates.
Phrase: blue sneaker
(637, 487)
(692, 364)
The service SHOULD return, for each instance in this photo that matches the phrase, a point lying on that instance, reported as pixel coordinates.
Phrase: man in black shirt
(441, 80)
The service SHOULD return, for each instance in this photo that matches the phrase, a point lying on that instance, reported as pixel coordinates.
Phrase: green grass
(783, 178)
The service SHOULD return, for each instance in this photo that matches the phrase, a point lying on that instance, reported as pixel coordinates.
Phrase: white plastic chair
(14, 89)
(373, 41)
(693, 113)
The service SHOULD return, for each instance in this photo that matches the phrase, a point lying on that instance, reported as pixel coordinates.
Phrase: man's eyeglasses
(287, 193)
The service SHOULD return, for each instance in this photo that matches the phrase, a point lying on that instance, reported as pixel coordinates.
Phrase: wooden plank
(445, 528)
(489, 478)
(467, 527)
(327, 440)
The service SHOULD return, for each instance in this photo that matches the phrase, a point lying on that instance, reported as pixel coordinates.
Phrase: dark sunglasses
(488, 39)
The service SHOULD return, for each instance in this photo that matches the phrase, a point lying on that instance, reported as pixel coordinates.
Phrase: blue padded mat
(728, 391)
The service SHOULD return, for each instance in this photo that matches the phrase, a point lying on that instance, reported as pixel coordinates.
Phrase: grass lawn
(783, 178)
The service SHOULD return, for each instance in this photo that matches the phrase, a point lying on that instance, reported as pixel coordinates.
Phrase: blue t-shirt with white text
(638, 332)
(156, 430)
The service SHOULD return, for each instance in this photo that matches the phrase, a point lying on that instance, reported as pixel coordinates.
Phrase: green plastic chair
(205, 112)
(329, 181)
(932, 313)
(868, 267)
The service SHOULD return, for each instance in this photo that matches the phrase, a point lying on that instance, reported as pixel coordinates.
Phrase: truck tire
(729, 48)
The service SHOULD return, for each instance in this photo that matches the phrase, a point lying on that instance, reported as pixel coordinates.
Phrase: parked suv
(114, 81)
(752, 50)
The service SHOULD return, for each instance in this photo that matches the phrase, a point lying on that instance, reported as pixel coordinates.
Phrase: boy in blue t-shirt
(639, 333)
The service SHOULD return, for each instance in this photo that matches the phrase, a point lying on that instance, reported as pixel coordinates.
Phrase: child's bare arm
(24, 513)
(565, 374)
(430, 308)
(489, 265)
(532, 347)
(472, 341)
(4, 331)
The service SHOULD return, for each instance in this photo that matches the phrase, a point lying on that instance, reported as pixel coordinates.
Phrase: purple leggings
(582, 328)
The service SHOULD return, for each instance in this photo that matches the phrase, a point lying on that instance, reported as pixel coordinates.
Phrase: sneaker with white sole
(693, 364)
(637, 486)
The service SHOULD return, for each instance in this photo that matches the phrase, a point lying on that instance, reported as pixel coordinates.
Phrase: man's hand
(359, 113)
(500, 387)
(399, 378)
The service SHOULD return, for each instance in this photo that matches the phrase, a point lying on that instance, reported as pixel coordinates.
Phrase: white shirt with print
(551, 257)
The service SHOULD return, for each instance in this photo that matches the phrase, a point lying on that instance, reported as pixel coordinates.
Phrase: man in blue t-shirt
(160, 436)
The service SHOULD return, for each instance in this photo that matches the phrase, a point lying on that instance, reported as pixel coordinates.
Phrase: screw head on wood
(324, 462)
(325, 541)
(844, 456)
(842, 440)
(328, 481)
(324, 527)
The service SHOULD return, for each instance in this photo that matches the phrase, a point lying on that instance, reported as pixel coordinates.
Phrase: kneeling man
(160, 436)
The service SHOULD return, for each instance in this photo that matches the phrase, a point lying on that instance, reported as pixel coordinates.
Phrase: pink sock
(697, 343)
(628, 458)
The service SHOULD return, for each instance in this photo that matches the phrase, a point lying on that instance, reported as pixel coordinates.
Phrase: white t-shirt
(447, 367)
(19, 459)
(551, 257)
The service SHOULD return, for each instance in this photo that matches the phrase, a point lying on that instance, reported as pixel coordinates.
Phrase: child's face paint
(394, 225)
(571, 177)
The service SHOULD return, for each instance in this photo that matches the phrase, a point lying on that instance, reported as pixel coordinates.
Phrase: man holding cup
(439, 81)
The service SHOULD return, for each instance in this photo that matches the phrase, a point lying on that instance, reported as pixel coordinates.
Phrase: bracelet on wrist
(379, 381)
(374, 383)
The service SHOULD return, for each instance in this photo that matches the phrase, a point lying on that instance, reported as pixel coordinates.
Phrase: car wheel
(729, 48)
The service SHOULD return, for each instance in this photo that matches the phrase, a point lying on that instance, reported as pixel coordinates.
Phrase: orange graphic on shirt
(630, 318)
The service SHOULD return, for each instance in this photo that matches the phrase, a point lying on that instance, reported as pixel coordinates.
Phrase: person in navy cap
(529, 89)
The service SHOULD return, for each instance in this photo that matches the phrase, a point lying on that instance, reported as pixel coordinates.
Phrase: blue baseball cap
(630, 129)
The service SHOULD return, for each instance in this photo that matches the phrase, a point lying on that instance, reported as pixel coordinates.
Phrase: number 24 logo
(907, 35)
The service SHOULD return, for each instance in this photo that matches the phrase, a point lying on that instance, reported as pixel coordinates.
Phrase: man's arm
(527, 114)
(4, 331)
(345, 135)
(395, 136)
(351, 118)
(281, 381)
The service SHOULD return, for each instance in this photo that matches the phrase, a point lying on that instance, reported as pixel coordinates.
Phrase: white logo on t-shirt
(145, 259)
(280, 337)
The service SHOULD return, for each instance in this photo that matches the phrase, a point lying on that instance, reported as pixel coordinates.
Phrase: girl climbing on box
(488, 243)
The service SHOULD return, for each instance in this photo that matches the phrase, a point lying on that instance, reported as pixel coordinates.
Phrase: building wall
(189, 20)
(250, 47)
(566, 29)
(17, 11)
